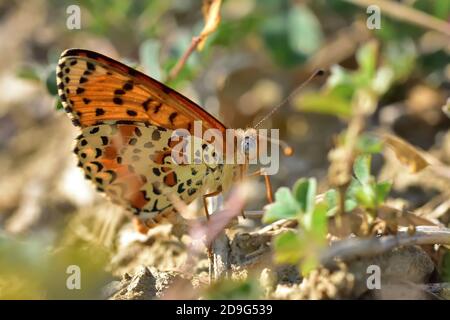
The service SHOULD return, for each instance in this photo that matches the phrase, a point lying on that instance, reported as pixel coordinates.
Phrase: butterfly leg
(269, 192)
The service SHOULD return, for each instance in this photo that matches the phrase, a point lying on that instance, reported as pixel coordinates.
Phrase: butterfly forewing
(94, 88)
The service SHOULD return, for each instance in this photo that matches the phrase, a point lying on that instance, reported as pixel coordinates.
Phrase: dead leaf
(406, 153)
(211, 14)
(403, 218)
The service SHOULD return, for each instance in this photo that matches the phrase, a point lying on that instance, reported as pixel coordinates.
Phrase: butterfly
(127, 121)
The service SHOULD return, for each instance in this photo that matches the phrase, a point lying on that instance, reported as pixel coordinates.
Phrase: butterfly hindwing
(133, 165)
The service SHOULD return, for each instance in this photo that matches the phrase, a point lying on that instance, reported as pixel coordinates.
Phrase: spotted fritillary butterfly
(127, 120)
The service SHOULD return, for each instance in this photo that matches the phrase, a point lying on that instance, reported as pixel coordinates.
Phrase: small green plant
(303, 245)
(364, 191)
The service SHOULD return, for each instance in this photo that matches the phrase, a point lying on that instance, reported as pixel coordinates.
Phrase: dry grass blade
(435, 208)
(407, 14)
(406, 153)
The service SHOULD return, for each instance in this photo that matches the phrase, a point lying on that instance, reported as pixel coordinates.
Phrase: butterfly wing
(133, 166)
(127, 120)
(94, 88)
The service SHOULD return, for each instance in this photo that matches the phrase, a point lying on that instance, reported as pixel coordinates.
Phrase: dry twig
(211, 13)
(354, 248)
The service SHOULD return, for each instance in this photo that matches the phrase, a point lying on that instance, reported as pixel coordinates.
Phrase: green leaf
(29, 73)
(276, 39)
(382, 80)
(51, 82)
(304, 191)
(331, 198)
(344, 92)
(309, 263)
(369, 144)
(304, 32)
(351, 190)
(361, 168)
(350, 204)
(442, 9)
(315, 222)
(149, 57)
(359, 193)
(284, 207)
(340, 77)
(58, 104)
(382, 189)
(366, 196)
(332, 104)
(288, 247)
(401, 57)
(366, 56)
(231, 32)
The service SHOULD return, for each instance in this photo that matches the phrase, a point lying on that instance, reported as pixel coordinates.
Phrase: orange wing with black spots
(127, 120)
(94, 88)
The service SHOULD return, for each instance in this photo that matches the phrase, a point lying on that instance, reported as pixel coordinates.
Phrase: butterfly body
(126, 146)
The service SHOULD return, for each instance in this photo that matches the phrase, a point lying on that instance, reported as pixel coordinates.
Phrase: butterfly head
(248, 143)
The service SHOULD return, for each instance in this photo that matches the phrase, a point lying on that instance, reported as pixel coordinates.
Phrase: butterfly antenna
(317, 73)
